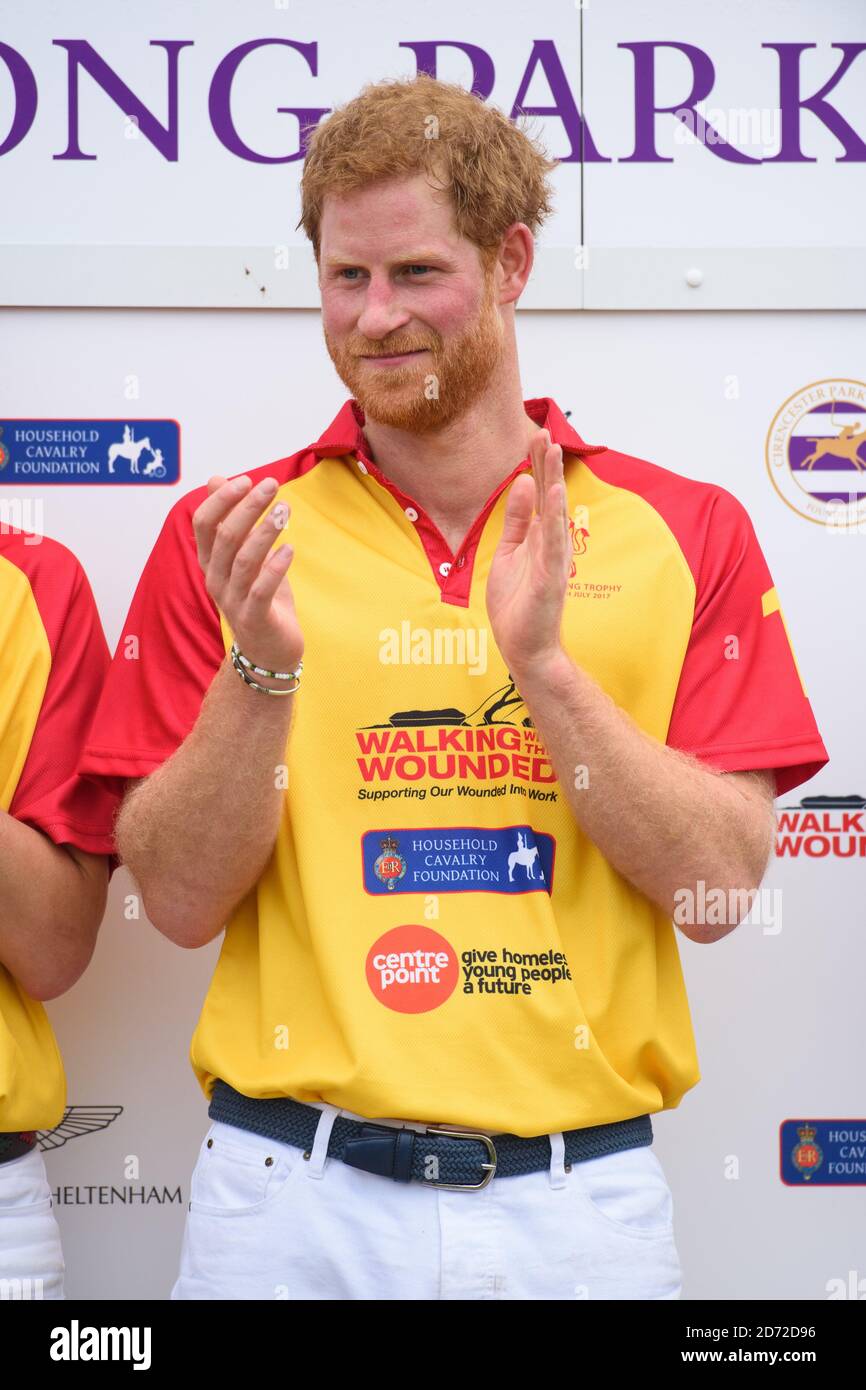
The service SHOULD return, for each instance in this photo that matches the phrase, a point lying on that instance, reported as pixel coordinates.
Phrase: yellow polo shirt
(53, 657)
(434, 938)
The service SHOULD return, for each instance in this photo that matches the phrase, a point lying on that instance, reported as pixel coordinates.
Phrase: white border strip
(754, 277)
(268, 277)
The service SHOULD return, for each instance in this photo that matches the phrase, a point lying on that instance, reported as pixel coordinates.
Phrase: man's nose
(382, 311)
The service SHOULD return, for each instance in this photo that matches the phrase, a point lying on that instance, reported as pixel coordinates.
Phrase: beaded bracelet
(239, 661)
(263, 670)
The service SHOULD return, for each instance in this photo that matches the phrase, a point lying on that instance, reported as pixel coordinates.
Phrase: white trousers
(265, 1223)
(31, 1259)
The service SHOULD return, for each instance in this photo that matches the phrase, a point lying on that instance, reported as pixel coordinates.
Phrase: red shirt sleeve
(49, 793)
(169, 651)
(740, 704)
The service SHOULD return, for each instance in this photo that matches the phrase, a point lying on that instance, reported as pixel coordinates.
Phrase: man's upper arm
(94, 870)
(63, 659)
(130, 785)
(760, 784)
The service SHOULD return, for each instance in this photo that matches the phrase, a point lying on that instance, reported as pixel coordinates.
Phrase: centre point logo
(412, 969)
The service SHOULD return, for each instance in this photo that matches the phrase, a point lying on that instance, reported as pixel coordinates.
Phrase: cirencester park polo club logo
(816, 452)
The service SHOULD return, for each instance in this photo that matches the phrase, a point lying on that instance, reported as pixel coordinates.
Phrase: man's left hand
(529, 572)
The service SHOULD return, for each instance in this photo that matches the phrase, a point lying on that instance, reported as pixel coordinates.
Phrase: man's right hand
(244, 578)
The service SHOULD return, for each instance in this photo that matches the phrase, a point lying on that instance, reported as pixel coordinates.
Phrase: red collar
(453, 574)
(345, 434)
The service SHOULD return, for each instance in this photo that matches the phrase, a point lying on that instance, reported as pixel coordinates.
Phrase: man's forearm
(199, 831)
(662, 820)
(49, 911)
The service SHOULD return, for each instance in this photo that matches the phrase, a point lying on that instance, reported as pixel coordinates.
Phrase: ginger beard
(430, 393)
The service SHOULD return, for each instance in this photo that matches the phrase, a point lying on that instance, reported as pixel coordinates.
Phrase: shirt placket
(452, 572)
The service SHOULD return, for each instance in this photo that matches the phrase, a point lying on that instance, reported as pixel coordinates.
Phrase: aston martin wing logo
(78, 1120)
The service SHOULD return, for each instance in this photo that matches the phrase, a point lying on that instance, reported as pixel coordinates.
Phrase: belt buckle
(465, 1134)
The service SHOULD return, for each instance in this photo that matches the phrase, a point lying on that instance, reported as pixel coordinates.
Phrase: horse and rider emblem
(524, 857)
(132, 449)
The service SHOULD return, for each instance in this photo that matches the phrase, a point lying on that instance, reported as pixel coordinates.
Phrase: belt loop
(319, 1152)
(557, 1160)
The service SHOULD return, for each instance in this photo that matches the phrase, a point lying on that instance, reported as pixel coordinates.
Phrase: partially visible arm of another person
(198, 831)
(55, 828)
(53, 902)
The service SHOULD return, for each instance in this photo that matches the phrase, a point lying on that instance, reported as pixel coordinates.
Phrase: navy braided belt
(439, 1156)
(15, 1143)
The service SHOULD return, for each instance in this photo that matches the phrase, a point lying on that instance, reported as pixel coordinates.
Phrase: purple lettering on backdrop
(24, 84)
(645, 109)
(544, 54)
(81, 54)
(219, 103)
(483, 72)
(790, 103)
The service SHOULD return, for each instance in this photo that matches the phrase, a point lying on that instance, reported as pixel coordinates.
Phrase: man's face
(410, 320)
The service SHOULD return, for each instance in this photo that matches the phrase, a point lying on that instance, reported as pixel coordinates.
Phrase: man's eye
(351, 272)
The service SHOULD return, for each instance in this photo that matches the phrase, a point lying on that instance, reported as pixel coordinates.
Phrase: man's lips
(394, 359)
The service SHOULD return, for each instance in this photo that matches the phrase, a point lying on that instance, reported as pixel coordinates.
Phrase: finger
(251, 554)
(233, 530)
(555, 529)
(558, 498)
(540, 441)
(518, 511)
(268, 580)
(224, 495)
(552, 471)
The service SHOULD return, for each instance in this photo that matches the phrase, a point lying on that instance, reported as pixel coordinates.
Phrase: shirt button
(461, 562)
(411, 513)
(445, 568)
(362, 466)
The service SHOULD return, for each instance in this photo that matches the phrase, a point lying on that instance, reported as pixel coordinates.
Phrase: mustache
(364, 350)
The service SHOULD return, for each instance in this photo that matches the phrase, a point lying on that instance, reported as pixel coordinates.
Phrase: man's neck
(451, 473)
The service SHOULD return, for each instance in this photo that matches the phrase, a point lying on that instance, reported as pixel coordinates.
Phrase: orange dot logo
(412, 969)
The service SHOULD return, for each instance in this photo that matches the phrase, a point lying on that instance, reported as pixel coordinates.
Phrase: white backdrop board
(157, 163)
